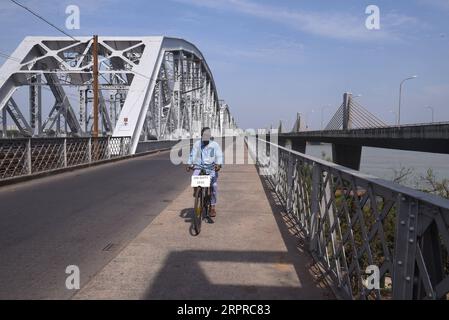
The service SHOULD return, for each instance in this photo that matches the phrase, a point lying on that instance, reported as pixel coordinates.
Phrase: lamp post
(433, 113)
(400, 96)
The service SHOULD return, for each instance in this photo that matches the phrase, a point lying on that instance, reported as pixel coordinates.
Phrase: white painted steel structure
(150, 88)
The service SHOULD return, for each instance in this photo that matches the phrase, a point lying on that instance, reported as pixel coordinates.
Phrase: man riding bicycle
(208, 154)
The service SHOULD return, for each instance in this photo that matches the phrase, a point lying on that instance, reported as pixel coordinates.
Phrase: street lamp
(400, 96)
(433, 113)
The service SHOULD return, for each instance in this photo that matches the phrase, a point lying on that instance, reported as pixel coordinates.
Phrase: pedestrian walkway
(248, 253)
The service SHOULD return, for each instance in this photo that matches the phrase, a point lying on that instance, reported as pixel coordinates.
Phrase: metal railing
(353, 222)
(147, 146)
(20, 157)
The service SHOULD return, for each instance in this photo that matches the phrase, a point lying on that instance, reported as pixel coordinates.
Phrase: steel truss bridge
(150, 88)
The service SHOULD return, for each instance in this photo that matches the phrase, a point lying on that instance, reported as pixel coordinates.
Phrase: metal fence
(147, 146)
(19, 157)
(353, 222)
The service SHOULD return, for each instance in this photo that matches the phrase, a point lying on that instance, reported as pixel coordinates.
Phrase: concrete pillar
(294, 144)
(297, 127)
(347, 155)
(346, 111)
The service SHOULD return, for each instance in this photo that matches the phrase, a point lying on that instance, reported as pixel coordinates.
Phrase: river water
(382, 163)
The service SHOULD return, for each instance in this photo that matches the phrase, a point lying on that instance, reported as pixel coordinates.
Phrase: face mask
(206, 137)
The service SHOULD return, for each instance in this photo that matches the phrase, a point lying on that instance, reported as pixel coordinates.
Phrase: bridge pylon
(352, 115)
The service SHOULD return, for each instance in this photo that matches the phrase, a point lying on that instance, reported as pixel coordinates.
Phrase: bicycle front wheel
(198, 211)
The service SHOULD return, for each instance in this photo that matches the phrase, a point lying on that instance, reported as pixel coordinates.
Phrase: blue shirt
(206, 154)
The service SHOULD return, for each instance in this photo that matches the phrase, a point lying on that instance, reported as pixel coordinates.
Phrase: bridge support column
(295, 145)
(347, 155)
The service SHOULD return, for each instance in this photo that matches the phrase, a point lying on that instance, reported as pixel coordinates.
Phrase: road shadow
(215, 274)
(294, 239)
(187, 215)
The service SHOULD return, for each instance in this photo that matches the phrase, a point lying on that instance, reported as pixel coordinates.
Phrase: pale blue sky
(271, 59)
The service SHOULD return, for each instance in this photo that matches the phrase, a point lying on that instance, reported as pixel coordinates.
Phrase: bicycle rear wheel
(198, 211)
(206, 203)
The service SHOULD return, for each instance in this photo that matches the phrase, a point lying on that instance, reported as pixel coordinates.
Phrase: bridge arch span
(151, 87)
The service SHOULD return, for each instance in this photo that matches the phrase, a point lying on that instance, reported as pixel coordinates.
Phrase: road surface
(81, 218)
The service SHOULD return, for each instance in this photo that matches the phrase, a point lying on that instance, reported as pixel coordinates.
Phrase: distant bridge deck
(432, 137)
(248, 253)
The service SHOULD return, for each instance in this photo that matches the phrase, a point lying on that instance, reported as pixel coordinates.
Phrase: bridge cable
(360, 119)
(373, 119)
(337, 120)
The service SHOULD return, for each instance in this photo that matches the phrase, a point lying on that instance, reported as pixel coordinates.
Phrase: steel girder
(150, 87)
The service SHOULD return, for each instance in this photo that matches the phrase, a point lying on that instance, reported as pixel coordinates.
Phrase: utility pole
(95, 85)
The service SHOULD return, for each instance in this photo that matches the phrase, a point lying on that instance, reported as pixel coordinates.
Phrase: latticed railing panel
(100, 150)
(46, 154)
(354, 222)
(119, 147)
(20, 157)
(77, 151)
(13, 158)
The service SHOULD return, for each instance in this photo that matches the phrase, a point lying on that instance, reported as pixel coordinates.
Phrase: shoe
(213, 213)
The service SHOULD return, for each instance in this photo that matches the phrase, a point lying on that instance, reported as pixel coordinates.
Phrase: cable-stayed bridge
(353, 127)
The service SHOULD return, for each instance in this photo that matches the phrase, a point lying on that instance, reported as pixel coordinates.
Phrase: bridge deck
(248, 253)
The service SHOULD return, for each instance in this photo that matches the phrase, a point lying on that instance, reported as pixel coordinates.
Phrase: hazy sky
(271, 59)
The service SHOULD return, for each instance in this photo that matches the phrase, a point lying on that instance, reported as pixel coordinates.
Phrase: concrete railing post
(65, 152)
(108, 148)
(89, 150)
(29, 155)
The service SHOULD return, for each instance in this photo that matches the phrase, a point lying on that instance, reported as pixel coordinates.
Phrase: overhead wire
(43, 19)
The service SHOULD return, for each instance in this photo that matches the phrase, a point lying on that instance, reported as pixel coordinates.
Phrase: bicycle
(202, 190)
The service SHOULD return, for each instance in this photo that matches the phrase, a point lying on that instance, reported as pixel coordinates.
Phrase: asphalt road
(81, 218)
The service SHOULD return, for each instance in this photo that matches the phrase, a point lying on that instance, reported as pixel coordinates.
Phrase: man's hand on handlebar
(189, 167)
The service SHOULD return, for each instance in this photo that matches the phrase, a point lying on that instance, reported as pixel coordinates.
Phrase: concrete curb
(14, 180)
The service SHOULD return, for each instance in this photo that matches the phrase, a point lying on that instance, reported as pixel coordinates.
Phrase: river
(383, 163)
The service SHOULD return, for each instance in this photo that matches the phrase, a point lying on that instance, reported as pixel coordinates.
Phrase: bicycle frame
(203, 195)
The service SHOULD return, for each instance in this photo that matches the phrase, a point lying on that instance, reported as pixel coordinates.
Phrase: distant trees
(434, 185)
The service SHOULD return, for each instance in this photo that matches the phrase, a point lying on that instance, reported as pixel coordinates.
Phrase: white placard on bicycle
(200, 181)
